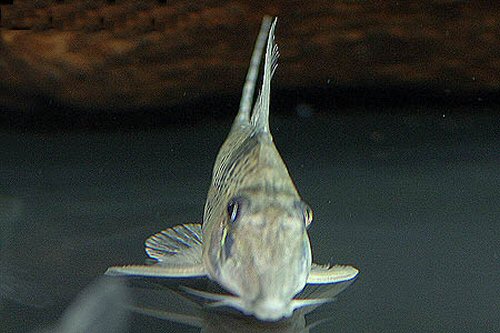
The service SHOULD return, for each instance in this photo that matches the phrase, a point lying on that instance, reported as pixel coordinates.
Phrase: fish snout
(271, 309)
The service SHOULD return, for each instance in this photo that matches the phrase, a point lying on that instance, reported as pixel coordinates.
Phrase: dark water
(410, 198)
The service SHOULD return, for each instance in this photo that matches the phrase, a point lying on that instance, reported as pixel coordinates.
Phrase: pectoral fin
(323, 274)
(177, 250)
(179, 245)
(159, 271)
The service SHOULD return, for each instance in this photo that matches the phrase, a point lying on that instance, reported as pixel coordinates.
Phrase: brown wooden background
(126, 55)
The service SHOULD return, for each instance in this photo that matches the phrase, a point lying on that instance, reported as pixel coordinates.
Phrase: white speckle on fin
(322, 274)
(180, 245)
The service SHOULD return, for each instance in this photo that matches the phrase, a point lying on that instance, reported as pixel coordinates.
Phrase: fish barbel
(253, 240)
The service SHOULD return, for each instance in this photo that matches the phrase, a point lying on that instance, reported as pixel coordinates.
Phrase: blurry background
(386, 113)
(170, 59)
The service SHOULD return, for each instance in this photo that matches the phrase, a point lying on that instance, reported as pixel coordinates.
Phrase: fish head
(265, 254)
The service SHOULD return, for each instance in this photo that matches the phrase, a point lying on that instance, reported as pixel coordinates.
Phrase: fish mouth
(264, 309)
(271, 309)
(275, 309)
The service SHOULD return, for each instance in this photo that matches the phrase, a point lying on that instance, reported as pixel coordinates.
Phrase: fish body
(253, 240)
(255, 225)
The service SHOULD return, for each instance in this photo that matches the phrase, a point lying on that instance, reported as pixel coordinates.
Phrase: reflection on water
(18, 282)
(106, 304)
(99, 308)
(170, 304)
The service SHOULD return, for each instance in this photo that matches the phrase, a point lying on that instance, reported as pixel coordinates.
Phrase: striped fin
(260, 114)
(158, 270)
(243, 116)
(180, 245)
(322, 274)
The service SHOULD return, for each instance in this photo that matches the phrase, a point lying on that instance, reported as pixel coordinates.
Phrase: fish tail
(246, 102)
(260, 114)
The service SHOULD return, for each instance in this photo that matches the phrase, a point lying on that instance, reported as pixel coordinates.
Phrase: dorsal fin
(260, 114)
(243, 116)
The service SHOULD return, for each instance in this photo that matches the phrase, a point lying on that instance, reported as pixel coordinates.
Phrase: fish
(253, 239)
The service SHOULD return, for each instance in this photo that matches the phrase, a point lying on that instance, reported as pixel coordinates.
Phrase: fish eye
(307, 212)
(308, 215)
(233, 209)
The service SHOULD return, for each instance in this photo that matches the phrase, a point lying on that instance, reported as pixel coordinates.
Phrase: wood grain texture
(152, 54)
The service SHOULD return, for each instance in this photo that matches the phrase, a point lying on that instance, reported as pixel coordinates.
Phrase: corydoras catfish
(253, 240)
